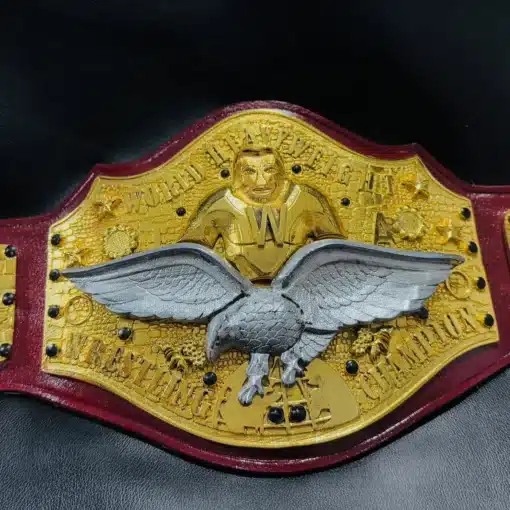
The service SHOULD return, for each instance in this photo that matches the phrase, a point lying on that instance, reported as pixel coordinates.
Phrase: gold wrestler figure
(263, 218)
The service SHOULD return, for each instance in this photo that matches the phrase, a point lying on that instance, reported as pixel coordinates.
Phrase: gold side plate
(7, 293)
(160, 368)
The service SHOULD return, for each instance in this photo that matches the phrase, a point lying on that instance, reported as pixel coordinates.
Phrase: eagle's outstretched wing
(182, 282)
(340, 283)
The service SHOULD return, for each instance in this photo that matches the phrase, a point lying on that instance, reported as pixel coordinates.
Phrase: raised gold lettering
(452, 325)
(316, 154)
(145, 366)
(232, 143)
(466, 315)
(216, 155)
(298, 146)
(369, 392)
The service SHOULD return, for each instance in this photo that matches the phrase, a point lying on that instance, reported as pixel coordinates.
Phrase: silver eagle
(324, 287)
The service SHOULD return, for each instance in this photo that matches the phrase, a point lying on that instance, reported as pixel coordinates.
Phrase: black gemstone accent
(296, 169)
(210, 378)
(422, 313)
(8, 299)
(51, 350)
(5, 350)
(297, 414)
(265, 381)
(56, 239)
(481, 283)
(488, 320)
(54, 275)
(181, 211)
(472, 247)
(466, 213)
(345, 201)
(275, 415)
(10, 251)
(352, 366)
(53, 311)
(225, 173)
(124, 333)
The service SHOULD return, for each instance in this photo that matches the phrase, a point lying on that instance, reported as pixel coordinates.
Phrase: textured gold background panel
(160, 368)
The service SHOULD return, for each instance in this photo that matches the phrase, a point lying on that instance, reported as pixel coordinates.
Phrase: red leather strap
(22, 371)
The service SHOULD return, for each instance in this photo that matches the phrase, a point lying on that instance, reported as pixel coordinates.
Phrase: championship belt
(266, 292)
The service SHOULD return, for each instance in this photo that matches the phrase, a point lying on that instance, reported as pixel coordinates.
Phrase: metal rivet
(5, 350)
(124, 333)
(297, 414)
(472, 247)
(466, 213)
(296, 169)
(488, 320)
(275, 415)
(54, 275)
(53, 311)
(210, 378)
(8, 298)
(422, 313)
(56, 239)
(10, 251)
(51, 350)
(352, 366)
(181, 211)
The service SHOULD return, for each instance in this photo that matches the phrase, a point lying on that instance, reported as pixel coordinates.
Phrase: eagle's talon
(289, 376)
(292, 368)
(250, 389)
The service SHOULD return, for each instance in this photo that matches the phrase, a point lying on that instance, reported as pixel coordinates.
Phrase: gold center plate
(161, 366)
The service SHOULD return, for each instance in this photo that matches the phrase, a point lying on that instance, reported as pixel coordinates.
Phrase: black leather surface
(83, 82)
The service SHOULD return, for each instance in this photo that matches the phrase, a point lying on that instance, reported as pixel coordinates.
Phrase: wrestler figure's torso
(258, 239)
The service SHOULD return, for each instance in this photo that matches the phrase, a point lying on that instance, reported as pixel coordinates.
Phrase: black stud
(297, 414)
(481, 283)
(124, 333)
(265, 381)
(345, 201)
(54, 275)
(296, 169)
(210, 378)
(51, 350)
(488, 320)
(225, 173)
(275, 415)
(422, 313)
(181, 211)
(8, 299)
(53, 311)
(352, 367)
(466, 213)
(56, 239)
(10, 251)
(5, 350)
(472, 247)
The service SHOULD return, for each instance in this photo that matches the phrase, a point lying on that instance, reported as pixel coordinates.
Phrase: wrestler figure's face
(258, 177)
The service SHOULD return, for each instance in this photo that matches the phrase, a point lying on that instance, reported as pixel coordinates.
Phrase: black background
(107, 81)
